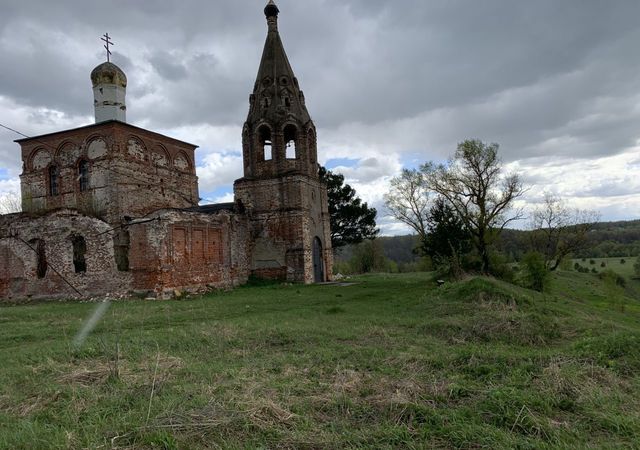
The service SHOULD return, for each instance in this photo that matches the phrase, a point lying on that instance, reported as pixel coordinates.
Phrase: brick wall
(168, 250)
(132, 171)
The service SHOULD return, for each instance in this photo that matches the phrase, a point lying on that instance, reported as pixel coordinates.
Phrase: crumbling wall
(285, 215)
(85, 257)
(20, 236)
(190, 251)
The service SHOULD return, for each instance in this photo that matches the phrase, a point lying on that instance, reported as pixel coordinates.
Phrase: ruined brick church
(111, 208)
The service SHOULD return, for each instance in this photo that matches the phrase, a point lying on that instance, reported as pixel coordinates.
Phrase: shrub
(499, 267)
(622, 261)
(593, 270)
(603, 264)
(612, 277)
(591, 261)
(537, 275)
(577, 266)
(636, 267)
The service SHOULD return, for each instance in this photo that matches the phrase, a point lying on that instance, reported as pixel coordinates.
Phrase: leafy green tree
(368, 256)
(473, 184)
(447, 239)
(536, 273)
(352, 221)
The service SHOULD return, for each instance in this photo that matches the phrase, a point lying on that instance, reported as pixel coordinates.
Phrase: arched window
(83, 175)
(264, 140)
(291, 141)
(79, 250)
(54, 180)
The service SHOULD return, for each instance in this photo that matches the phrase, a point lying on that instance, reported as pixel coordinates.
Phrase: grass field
(625, 269)
(389, 362)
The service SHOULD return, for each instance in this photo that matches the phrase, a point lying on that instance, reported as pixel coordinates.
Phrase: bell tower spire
(279, 136)
(281, 192)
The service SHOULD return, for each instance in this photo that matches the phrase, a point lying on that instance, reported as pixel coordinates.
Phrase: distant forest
(608, 239)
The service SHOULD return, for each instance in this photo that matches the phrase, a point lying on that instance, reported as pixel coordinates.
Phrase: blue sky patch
(212, 196)
(341, 162)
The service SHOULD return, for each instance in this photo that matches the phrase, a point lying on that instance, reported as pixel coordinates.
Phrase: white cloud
(607, 184)
(219, 170)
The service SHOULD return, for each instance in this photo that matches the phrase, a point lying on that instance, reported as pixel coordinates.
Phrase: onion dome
(108, 73)
(271, 10)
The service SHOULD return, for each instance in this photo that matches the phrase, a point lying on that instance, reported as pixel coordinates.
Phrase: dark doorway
(318, 265)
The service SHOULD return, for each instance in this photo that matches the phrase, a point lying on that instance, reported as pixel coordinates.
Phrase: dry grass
(31, 405)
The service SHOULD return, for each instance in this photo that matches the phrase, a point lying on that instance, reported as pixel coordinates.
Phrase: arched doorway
(318, 264)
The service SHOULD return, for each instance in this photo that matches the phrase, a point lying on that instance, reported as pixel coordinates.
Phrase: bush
(537, 275)
(591, 261)
(342, 267)
(636, 267)
(593, 270)
(622, 261)
(577, 266)
(603, 264)
(609, 276)
(500, 268)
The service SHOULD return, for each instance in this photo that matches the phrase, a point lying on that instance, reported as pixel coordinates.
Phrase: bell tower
(281, 192)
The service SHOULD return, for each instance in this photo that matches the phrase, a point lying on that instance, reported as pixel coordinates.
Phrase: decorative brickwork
(131, 171)
(112, 209)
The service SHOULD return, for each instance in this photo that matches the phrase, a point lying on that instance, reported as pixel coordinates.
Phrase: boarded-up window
(179, 244)
(215, 245)
(198, 245)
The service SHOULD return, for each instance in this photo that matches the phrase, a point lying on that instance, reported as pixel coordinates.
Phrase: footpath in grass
(390, 362)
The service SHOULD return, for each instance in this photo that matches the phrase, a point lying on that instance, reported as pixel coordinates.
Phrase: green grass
(391, 362)
(625, 269)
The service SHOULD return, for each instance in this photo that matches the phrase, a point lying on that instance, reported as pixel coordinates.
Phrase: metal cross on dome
(107, 42)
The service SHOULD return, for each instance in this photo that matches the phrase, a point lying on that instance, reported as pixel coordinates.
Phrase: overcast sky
(389, 84)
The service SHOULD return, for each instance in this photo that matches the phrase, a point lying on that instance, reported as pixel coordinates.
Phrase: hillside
(608, 239)
(391, 361)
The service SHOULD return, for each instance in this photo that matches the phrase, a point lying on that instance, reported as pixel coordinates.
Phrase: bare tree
(10, 203)
(409, 202)
(473, 185)
(559, 230)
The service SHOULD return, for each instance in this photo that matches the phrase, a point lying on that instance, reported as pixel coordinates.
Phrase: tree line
(460, 210)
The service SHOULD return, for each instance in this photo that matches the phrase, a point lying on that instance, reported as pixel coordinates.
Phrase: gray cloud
(168, 66)
(545, 79)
